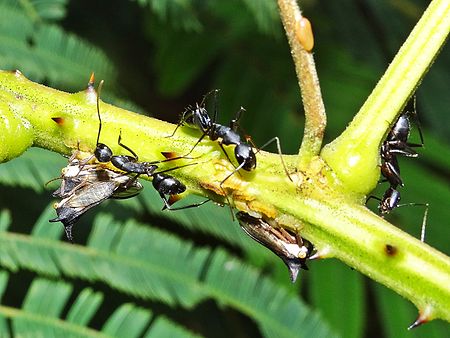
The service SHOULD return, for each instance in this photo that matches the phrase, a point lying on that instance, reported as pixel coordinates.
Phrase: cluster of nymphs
(396, 144)
(90, 179)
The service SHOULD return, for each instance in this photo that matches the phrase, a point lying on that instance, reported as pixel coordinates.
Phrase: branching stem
(301, 41)
(325, 205)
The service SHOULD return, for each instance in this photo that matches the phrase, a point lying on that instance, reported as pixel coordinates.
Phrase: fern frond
(39, 10)
(32, 170)
(151, 264)
(84, 307)
(179, 13)
(162, 327)
(40, 313)
(46, 52)
(265, 13)
(37, 166)
(5, 219)
(127, 321)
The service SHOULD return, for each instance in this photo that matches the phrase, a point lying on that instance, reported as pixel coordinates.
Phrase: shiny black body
(390, 200)
(129, 164)
(163, 183)
(227, 135)
(396, 143)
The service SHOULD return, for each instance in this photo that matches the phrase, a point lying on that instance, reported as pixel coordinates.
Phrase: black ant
(163, 183)
(396, 143)
(225, 135)
(199, 118)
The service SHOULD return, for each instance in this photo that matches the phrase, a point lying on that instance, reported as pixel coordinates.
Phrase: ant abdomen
(167, 185)
(245, 156)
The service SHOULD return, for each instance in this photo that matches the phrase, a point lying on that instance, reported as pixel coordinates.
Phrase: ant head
(245, 156)
(103, 153)
(390, 201)
(201, 119)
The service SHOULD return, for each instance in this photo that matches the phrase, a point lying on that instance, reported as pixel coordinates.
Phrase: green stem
(320, 208)
(354, 155)
(315, 117)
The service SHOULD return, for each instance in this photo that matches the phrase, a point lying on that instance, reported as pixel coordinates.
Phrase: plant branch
(354, 155)
(319, 207)
(300, 37)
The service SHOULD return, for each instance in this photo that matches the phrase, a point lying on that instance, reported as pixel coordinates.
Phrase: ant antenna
(425, 214)
(215, 91)
(424, 223)
(99, 90)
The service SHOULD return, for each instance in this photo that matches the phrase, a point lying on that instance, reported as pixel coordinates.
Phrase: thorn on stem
(91, 82)
(419, 321)
(58, 120)
(169, 154)
(424, 317)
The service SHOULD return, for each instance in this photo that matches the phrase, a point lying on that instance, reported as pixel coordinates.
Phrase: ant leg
(174, 168)
(372, 197)
(215, 91)
(195, 145)
(277, 140)
(186, 156)
(424, 223)
(125, 147)
(184, 116)
(130, 182)
(168, 207)
(223, 190)
(417, 121)
(226, 154)
(234, 124)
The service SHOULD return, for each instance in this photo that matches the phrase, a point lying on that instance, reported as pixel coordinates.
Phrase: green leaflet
(45, 51)
(150, 264)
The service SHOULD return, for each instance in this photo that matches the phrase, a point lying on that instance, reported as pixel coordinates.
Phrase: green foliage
(42, 315)
(41, 10)
(162, 272)
(45, 51)
(149, 264)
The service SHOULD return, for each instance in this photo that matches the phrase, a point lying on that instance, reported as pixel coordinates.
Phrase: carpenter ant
(391, 200)
(163, 183)
(129, 164)
(396, 143)
(293, 250)
(225, 135)
(168, 185)
(199, 118)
